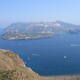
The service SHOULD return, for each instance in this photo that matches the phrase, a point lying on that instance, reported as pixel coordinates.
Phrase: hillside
(13, 68)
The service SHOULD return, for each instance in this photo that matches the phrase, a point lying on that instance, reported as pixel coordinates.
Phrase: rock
(12, 68)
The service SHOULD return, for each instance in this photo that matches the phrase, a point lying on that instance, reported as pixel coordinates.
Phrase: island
(19, 31)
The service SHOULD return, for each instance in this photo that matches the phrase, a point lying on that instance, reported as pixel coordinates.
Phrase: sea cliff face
(13, 68)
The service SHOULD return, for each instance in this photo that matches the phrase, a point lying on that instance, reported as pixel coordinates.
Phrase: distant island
(18, 31)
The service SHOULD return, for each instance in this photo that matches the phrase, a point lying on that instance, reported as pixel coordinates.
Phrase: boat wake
(35, 55)
(74, 45)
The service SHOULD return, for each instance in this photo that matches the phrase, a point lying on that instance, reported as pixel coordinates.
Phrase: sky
(39, 10)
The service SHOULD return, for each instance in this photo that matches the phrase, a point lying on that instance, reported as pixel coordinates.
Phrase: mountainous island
(38, 30)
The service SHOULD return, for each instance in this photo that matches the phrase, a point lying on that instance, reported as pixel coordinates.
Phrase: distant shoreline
(31, 38)
(63, 77)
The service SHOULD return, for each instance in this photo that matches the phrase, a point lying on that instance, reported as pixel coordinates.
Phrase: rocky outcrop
(13, 68)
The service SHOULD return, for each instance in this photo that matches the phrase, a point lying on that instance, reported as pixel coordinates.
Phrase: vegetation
(12, 68)
(6, 75)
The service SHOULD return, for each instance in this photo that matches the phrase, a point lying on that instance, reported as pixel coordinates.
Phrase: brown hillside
(13, 68)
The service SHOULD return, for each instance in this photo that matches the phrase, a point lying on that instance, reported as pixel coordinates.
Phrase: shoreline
(62, 77)
(31, 38)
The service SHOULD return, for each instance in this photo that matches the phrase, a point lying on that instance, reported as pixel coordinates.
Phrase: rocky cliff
(13, 68)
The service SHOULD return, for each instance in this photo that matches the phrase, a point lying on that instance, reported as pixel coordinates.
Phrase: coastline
(62, 77)
(25, 38)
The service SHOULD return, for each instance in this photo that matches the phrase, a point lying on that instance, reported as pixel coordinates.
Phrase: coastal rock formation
(13, 68)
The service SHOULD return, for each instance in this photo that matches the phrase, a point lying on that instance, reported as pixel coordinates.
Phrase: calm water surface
(59, 55)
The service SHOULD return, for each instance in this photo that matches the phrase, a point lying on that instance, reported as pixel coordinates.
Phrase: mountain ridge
(37, 30)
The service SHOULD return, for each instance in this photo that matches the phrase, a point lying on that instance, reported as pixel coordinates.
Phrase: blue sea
(58, 55)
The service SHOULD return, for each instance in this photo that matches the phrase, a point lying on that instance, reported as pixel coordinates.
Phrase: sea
(58, 55)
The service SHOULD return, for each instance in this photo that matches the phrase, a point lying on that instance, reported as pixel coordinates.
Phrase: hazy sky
(39, 10)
